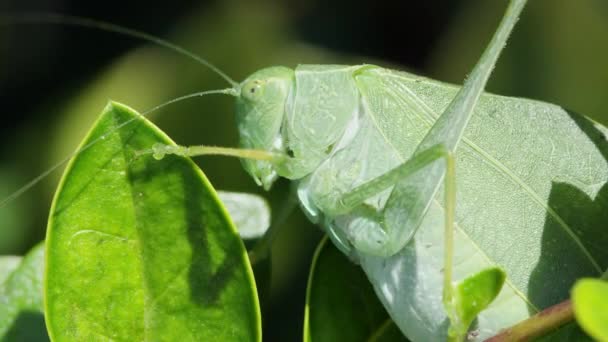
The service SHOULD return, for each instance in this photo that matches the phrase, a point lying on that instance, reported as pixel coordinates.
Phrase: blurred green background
(55, 80)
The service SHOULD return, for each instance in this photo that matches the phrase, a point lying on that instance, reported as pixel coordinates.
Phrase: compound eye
(253, 90)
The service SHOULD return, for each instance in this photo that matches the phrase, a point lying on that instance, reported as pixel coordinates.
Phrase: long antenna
(30, 184)
(64, 19)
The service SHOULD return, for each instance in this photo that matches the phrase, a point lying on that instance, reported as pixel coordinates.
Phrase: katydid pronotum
(368, 189)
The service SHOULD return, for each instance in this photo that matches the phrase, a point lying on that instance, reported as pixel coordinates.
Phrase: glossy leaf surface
(140, 249)
(474, 294)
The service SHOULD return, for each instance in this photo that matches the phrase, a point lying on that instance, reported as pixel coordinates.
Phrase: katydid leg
(159, 151)
(380, 234)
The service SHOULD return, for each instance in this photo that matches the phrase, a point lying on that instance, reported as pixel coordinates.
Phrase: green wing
(531, 182)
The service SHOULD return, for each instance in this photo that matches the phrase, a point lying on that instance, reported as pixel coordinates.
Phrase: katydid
(322, 126)
(350, 136)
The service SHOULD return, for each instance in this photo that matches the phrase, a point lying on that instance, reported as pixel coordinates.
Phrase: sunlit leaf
(142, 249)
(472, 295)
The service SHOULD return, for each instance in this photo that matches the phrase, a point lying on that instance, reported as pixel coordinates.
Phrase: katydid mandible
(341, 133)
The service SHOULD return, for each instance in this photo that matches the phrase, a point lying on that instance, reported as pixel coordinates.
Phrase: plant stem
(538, 325)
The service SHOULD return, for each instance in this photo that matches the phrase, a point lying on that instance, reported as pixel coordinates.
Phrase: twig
(538, 325)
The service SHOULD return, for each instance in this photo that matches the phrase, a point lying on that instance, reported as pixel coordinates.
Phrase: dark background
(54, 81)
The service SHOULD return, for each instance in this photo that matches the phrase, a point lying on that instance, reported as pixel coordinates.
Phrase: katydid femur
(359, 177)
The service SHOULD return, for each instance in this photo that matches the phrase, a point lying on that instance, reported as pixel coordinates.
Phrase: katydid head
(260, 111)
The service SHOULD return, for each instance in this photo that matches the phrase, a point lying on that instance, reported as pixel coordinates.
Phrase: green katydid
(360, 213)
(322, 126)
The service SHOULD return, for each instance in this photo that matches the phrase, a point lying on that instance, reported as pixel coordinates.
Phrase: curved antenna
(64, 19)
(30, 184)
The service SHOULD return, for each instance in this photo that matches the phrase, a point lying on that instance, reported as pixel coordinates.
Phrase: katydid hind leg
(379, 233)
(465, 299)
(412, 195)
(375, 233)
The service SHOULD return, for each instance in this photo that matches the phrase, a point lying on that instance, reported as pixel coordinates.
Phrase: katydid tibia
(341, 132)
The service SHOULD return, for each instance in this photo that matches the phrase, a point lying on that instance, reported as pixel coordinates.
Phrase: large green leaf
(140, 249)
(531, 198)
(21, 308)
(341, 304)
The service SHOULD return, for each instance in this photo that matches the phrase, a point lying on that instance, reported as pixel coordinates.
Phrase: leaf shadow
(28, 327)
(215, 250)
(583, 218)
(207, 284)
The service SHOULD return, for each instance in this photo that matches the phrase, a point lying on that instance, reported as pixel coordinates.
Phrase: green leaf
(140, 249)
(8, 263)
(590, 302)
(341, 304)
(531, 199)
(21, 304)
(472, 295)
(249, 212)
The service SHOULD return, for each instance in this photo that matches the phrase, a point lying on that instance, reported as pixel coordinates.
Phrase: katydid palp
(357, 145)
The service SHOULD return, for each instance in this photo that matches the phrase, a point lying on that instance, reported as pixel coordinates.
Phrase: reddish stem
(538, 325)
